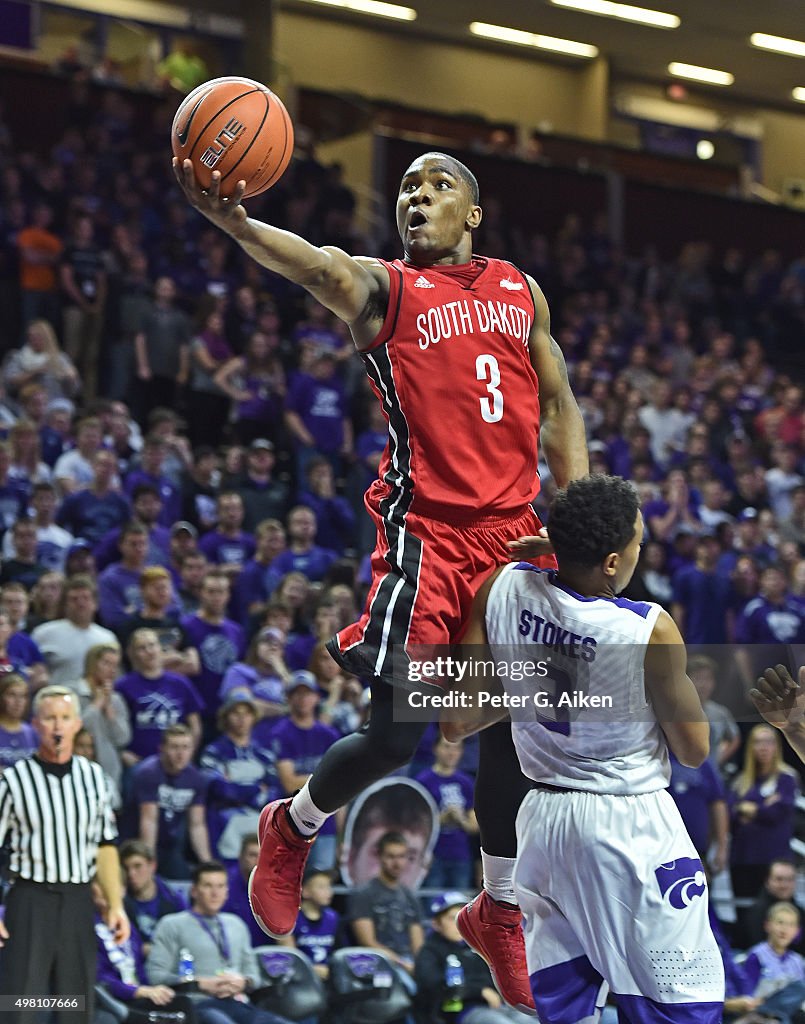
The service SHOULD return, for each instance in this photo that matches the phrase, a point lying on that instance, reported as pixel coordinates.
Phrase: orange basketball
(235, 126)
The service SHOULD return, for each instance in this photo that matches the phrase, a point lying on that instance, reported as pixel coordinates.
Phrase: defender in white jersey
(612, 889)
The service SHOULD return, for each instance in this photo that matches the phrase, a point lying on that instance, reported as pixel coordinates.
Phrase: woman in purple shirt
(17, 738)
(762, 809)
(255, 381)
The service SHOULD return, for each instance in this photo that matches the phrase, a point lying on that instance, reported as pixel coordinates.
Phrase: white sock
(306, 815)
(499, 878)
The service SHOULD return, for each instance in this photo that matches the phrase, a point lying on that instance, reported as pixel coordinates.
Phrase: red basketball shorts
(424, 577)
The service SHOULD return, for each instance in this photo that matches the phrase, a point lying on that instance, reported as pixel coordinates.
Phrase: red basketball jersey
(452, 371)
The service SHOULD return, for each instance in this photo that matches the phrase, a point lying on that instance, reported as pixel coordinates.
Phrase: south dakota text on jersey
(453, 319)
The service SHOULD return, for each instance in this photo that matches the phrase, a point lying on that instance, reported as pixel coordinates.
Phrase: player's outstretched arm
(562, 434)
(673, 696)
(354, 289)
(781, 701)
(475, 715)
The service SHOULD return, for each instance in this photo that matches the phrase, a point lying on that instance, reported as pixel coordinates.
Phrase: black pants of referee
(50, 951)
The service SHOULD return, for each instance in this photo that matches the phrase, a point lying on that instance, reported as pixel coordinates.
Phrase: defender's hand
(779, 699)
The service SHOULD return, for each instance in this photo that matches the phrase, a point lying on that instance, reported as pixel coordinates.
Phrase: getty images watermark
(581, 679)
(449, 672)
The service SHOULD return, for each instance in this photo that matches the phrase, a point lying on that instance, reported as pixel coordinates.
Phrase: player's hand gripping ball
(237, 127)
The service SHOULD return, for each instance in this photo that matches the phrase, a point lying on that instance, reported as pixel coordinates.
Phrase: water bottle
(187, 965)
(454, 983)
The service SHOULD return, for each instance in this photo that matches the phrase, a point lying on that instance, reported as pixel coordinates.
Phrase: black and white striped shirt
(54, 820)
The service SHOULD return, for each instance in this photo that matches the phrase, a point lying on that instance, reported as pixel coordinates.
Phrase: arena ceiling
(713, 34)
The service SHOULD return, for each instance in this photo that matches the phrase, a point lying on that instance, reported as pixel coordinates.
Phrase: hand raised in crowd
(222, 211)
(3, 934)
(779, 699)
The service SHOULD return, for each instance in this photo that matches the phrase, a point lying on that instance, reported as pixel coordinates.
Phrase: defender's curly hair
(591, 518)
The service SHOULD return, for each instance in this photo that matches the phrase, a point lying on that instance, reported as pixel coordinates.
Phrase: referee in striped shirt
(56, 817)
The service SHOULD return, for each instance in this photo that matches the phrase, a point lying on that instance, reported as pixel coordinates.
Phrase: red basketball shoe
(494, 930)
(275, 884)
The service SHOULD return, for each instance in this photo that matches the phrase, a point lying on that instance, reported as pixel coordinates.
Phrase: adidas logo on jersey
(423, 282)
(513, 286)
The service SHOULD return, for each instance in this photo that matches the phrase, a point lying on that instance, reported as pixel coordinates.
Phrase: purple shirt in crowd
(768, 836)
(119, 595)
(88, 516)
(454, 790)
(304, 747)
(245, 678)
(168, 492)
(223, 550)
(16, 746)
(107, 550)
(248, 588)
(121, 968)
(23, 650)
(705, 597)
(316, 938)
(320, 406)
(313, 563)
(173, 795)
(237, 903)
(762, 964)
(155, 704)
(694, 790)
(765, 623)
(218, 647)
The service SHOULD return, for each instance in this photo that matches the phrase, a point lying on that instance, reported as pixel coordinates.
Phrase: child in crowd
(774, 975)
(317, 924)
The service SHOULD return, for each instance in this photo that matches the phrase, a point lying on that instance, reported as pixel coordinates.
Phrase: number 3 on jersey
(487, 370)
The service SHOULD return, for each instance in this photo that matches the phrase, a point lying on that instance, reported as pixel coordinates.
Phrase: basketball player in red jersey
(459, 353)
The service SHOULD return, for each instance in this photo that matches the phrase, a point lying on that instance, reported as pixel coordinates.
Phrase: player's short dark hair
(463, 172)
(591, 518)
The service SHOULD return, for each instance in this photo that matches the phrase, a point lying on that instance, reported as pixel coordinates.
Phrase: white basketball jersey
(572, 667)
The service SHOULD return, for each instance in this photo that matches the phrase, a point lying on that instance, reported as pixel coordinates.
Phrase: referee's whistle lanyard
(221, 941)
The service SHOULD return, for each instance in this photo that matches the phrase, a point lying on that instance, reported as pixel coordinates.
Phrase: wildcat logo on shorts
(681, 881)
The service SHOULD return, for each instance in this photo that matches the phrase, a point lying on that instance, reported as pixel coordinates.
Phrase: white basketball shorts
(613, 892)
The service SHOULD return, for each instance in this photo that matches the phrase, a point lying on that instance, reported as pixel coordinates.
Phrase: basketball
(235, 126)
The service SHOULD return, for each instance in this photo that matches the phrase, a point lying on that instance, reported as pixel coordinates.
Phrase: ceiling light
(520, 38)
(705, 149)
(375, 7)
(778, 44)
(798, 94)
(697, 74)
(625, 12)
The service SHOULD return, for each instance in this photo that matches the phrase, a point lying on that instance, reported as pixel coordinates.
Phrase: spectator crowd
(185, 442)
